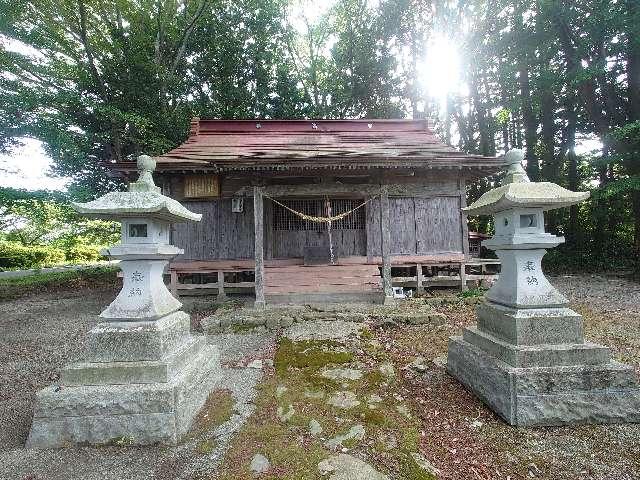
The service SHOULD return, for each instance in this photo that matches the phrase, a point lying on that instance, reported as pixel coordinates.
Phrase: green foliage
(98, 82)
(70, 280)
(473, 293)
(614, 256)
(503, 116)
(15, 255)
(618, 187)
(45, 222)
(103, 81)
(629, 136)
(83, 253)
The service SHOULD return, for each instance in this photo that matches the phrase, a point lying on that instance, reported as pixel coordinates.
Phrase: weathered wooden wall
(418, 226)
(424, 215)
(287, 244)
(221, 234)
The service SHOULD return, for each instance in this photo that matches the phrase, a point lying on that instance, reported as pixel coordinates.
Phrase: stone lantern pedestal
(527, 358)
(144, 376)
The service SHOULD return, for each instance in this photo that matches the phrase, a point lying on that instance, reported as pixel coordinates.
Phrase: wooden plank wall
(287, 244)
(221, 234)
(438, 225)
(428, 223)
(418, 226)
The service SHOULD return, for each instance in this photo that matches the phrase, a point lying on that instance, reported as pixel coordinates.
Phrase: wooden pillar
(368, 231)
(385, 240)
(174, 283)
(419, 279)
(258, 224)
(463, 217)
(463, 276)
(465, 234)
(221, 295)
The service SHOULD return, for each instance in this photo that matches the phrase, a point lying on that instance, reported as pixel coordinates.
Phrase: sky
(29, 167)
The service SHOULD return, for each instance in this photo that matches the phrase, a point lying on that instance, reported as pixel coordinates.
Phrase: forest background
(100, 81)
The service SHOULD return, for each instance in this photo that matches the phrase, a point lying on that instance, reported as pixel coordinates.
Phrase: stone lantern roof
(142, 200)
(519, 192)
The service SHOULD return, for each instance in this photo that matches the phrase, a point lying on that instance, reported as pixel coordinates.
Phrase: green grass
(473, 292)
(11, 288)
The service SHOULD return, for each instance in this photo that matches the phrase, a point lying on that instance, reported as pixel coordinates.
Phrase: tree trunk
(528, 116)
(550, 167)
(633, 60)
(481, 117)
(447, 120)
(505, 125)
(573, 237)
(601, 210)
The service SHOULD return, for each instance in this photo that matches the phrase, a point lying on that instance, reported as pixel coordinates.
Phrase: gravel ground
(43, 332)
(602, 294)
(39, 336)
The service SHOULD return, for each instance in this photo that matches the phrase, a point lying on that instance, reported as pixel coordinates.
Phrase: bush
(83, 253)
(75, 280)
(14, 255)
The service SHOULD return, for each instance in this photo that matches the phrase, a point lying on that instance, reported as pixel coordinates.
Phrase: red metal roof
(276, 144)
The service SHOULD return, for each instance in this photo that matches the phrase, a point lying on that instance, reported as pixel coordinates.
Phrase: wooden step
(321, 289)
(322, 279)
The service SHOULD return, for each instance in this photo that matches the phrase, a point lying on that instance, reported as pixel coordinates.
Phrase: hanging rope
(315, 219)
(327, 203)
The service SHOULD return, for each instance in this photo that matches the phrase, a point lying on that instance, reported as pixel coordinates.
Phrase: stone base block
(531, 326)
(546, 355)
(559, 395)
(139, 414)
(122, 373)
(132, 341)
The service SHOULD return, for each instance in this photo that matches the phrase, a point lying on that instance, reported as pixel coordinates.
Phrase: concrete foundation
(527, 382)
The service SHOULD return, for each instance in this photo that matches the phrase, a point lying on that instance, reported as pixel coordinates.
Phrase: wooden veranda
(354, 275)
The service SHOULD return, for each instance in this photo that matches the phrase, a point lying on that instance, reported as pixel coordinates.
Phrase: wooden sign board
(201, 186)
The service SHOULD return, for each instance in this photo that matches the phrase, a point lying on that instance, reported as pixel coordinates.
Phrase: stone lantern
(527, 358)
(144, 376)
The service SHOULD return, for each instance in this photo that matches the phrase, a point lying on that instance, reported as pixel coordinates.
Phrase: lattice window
(354, 221)
(283, 219)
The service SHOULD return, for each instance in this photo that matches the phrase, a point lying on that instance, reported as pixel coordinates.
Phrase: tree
(114, 79)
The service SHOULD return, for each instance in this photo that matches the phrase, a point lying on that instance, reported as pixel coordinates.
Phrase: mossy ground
(449, 426)
(217, 410)
(297, 381)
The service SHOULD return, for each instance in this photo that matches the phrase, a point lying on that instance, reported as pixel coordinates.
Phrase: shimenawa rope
(315, 219)
(328, 219)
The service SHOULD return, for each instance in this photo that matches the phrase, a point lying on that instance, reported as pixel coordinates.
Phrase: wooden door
(288, 233)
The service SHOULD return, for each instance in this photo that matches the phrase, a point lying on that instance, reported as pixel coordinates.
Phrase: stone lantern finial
(515, 171)
(146, 166)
